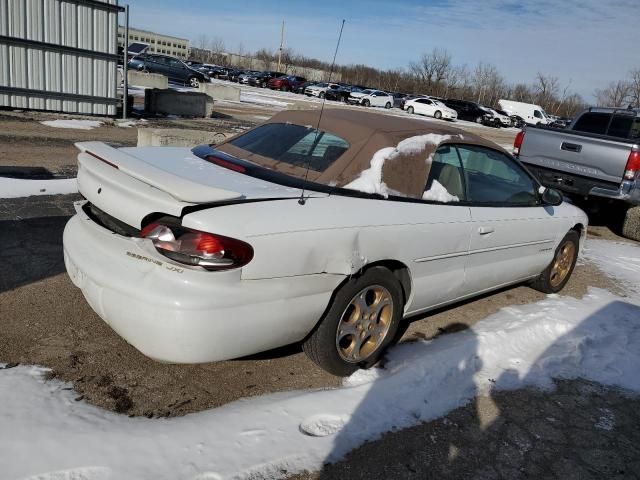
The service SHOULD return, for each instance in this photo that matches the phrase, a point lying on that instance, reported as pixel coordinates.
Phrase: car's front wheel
(438, 114)
(361, 322)
(366, 102)
(410, 110)
(557, 274)
(321, 95)
(194, 82)
(387, 105)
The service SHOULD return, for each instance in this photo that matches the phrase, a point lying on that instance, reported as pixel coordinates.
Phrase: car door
(442, 233)
(513, 234)
(426, 106)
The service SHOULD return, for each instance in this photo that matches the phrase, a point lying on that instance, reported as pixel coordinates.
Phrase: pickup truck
(596, 157)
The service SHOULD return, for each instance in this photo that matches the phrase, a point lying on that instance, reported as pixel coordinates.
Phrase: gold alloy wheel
(562, 263)
(364, 324)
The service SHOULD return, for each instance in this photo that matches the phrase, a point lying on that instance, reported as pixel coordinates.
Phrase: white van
(532, 114)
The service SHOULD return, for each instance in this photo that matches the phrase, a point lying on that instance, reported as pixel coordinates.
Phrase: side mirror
(551, 196)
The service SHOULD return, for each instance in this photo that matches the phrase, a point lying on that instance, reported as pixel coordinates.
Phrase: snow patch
(323, 424)
(596, 338)
(438, 193)
(18, 187)
(370, 180)
(75, 124)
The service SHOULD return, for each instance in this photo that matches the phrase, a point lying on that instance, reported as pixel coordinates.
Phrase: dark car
(470, 111)
(261, 79)
(399, 99)
(173, 68)
(287, 83)
(341, 93)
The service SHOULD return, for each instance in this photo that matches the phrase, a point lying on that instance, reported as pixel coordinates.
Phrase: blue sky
(587, 43)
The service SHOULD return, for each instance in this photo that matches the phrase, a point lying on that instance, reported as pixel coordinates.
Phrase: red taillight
(192, 247)
(517, 143)
(633, 165)
(226, 164)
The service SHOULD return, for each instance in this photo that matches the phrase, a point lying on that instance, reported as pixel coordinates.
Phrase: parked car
(469, 111)
(302, 88)
(246, 75)
(173, 68)
(371, 98)
(399, 99)
(431, 108)
(287, 83)
(531, 113)
(262, 79)
(202, 255)
(319, 89)
(210, 69)
(497, 118)
(596, 157)
(342, 93)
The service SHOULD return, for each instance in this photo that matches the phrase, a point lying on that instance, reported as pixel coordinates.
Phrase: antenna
(301, 200)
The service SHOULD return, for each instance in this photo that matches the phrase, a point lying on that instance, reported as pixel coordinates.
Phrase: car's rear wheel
(557, 274)
(366, 102)
(194, 82)
(361, 322)
(387, 106)
(410, 110)
(438, 114)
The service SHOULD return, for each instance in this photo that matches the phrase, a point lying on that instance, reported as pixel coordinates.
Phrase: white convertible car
(329, 236)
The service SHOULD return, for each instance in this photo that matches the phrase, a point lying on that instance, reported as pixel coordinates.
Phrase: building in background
(59, 55)
(158, 43)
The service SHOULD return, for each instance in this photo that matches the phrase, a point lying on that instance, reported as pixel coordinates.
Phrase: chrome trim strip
(482, 250)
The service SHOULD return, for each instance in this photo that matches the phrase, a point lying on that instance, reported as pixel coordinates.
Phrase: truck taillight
(192, 247)
(517, 143)
(633, 165)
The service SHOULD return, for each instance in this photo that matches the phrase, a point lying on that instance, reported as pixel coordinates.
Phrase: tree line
(435, 73)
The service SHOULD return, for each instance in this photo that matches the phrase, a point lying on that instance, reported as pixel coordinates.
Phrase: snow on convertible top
(47, 435)
(371, 181)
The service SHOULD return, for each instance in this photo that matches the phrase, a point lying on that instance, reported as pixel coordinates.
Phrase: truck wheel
(631, 224)
(361, 322)
(557, 274)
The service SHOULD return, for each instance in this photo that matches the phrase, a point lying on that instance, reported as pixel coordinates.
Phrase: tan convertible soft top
(367, 133)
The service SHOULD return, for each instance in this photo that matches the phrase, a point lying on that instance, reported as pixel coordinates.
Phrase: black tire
(321, 346)
(437, 114)
(387, 105)
(321, 95)
(366, 102)
(479, 120)
(545, 282)
(194, 82)
(410, 110)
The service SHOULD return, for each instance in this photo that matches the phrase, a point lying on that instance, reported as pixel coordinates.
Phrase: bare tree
(616, 94)
(634, 88)
(432, 69)
(217, 48)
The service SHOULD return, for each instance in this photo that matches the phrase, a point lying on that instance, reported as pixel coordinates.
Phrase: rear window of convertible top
(293, 144)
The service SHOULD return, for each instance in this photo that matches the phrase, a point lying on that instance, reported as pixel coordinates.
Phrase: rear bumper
(629, 191)
(180, 315)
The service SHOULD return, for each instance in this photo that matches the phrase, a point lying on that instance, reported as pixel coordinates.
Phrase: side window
(593, 122)
(621, 126)
(445, 181)
(537, 113)
(494, 178)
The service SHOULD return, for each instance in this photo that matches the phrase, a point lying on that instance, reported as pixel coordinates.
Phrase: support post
(125, 65)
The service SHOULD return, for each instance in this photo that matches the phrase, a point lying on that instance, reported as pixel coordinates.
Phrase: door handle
(485, 230)
(571, 147)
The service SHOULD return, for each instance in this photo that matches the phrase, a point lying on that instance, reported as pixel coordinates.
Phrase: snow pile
(370, 180)
(619, 260)
(75, 124)
(596, 338)
(259, 99)
(17, 187)
(438, 193)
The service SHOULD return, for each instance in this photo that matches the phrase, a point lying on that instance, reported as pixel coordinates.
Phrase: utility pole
(125, 65)
(281, 43)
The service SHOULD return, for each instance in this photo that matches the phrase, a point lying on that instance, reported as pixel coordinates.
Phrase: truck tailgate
(585, 155)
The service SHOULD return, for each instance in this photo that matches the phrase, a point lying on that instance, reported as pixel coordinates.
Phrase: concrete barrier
(172, 102)
(148, 80)
(177, 137)
(219, 91)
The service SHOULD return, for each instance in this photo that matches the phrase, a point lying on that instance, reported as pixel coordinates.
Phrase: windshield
(367, 91)
(293, 144)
